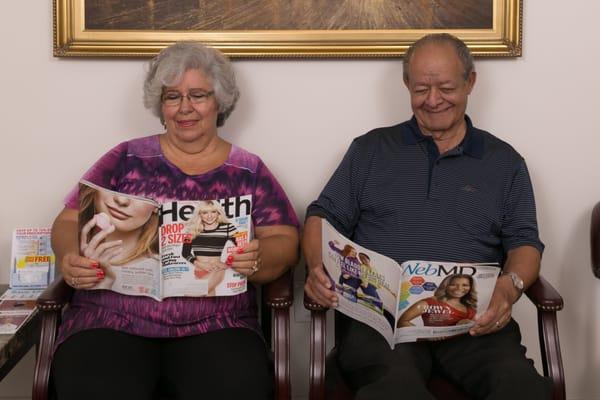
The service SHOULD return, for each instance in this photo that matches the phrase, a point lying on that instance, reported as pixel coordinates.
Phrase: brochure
(32, 259)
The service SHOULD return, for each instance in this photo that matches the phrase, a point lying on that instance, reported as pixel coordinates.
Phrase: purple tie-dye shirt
(139, 167)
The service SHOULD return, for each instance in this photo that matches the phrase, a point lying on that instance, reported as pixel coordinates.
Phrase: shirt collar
(472, 144)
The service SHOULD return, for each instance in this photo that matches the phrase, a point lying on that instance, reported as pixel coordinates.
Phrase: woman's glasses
(173, 98)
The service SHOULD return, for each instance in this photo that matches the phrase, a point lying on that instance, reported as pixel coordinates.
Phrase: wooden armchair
(546, 299)
(276, 299)
(595, 240)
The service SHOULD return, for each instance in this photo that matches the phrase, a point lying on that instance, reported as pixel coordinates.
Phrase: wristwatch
(517, 282)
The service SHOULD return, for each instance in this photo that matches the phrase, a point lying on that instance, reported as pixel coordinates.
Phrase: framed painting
(283, 28)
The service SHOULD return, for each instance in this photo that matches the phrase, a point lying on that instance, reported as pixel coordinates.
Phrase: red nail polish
(240, 250)
(229, 262)
(95, 264)
(100, 274)
(229, 258)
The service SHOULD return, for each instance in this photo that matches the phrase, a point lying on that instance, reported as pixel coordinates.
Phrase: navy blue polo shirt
(395, 194)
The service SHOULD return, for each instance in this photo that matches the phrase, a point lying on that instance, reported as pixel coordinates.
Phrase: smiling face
(458, 287)
(189, 123)
(438, 90)
(209, 216)
(126, 214)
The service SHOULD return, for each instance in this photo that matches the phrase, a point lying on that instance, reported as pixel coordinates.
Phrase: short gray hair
(168, 67)
(462, 51)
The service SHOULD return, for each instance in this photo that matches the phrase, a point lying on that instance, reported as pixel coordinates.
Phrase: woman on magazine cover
(210, 231)
(145, 348)
(454, 302)
(116, 230)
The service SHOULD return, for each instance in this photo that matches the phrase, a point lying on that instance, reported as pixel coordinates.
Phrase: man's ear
(471, 81)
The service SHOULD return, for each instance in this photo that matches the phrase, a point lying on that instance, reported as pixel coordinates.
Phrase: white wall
(59, 115)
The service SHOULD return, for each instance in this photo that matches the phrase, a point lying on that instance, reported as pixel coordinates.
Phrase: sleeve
(519, 225)
(186, 252)
(339, 201)
(271, 204)
(103, 173)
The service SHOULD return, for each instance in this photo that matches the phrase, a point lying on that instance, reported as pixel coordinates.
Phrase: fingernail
(229, 258)
(100, 274)
(240, 250)
(95, 264)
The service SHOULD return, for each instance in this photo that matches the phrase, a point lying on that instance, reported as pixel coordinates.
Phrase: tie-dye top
(139, 167)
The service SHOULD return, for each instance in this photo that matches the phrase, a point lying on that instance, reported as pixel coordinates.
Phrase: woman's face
(189, 123)
(125, 213)
(458, 287)
(209, 216)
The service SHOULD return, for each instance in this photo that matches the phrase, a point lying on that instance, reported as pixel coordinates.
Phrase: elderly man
(435, 188)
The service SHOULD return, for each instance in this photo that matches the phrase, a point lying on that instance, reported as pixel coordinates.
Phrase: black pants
(106, 364)
(491, 367)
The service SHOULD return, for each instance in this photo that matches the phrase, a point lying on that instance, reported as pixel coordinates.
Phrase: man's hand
(499, 311)
(318, 286)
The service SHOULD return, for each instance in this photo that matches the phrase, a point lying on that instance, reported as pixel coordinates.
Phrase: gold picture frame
(71, 38)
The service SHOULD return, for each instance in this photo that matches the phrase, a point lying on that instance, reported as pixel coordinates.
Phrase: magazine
(177, 248)
(32, 259)
(408, 302)
(16, 306)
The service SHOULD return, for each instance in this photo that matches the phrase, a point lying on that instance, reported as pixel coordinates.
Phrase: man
(435, 188)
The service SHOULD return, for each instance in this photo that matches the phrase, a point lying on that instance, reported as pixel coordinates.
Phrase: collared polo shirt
(393, 193)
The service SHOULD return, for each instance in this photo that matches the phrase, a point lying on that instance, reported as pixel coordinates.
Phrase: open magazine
(416, 300)
(177, 248)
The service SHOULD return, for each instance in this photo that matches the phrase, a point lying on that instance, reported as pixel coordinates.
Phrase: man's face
(438, 90)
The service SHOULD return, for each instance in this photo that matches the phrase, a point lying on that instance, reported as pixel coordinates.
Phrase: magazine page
(366, 282)
(16, 306)
(196, 237)
(121, 232)
(442, 299)
(32, 259)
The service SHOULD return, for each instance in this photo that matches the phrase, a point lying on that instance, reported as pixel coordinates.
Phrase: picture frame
(72, 39)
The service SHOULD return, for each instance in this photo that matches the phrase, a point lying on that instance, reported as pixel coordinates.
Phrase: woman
(453, 303)
(117, 231)
(210, 231)
(126, 347)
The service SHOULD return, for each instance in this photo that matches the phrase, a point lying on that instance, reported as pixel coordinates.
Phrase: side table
(14, 347)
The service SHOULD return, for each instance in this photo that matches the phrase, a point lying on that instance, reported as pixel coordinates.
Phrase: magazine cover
(416, 300)
(32, 259)
(177, 248)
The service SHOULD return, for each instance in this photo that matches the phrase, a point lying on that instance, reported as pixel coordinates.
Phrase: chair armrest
(280, 292)
(543, 295)
(50, 305)
(548, 301)
(595, 240)
(278, 297)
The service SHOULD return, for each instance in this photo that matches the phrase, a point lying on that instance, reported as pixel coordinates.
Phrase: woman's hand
(81, 272)
(246, 260)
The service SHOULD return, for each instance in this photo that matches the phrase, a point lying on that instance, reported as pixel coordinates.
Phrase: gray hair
(462, 51)
(168, 67)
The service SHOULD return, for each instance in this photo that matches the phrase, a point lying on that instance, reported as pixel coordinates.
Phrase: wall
(59, 115)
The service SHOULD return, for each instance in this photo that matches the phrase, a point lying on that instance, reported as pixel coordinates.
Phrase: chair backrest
(595, 240)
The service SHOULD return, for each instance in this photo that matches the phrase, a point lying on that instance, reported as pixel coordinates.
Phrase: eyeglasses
(173, 99)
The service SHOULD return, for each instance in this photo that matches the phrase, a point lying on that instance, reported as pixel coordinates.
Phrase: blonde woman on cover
(210, 232)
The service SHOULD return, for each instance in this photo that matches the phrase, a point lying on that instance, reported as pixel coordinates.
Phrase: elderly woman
(113, 346)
